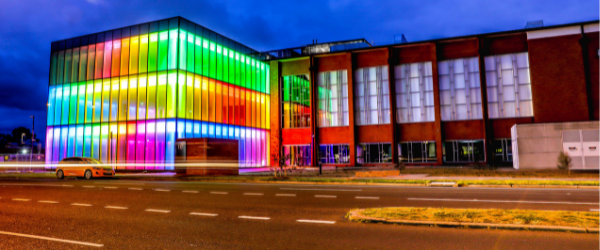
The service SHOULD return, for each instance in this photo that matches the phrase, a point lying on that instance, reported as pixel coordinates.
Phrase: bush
(564, 161)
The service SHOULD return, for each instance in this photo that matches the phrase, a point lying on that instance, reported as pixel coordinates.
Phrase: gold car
(83, 167)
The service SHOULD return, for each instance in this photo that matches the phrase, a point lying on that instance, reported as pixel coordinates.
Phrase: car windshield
(93, 161)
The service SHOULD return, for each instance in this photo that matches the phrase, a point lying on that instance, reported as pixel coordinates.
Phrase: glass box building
(125, 95)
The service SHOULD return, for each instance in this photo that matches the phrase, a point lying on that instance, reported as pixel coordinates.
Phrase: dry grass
(496, 216)
(489, 172)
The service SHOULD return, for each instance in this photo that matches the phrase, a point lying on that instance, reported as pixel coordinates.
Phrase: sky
(27, 27)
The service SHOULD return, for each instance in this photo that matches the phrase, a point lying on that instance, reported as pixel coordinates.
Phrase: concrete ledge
(355, 216)
(588, 187)
(488, 186)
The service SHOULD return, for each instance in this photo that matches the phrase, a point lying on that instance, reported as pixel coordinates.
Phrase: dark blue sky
(28, 26)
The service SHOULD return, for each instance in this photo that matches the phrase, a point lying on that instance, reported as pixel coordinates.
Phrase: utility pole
(32, 140)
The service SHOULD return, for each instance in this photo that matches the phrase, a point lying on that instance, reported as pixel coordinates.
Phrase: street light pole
(32, 139)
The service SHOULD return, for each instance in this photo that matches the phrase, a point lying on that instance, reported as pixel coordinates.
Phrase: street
(114, 214)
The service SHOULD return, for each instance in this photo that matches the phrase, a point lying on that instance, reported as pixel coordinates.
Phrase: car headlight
(97, 168)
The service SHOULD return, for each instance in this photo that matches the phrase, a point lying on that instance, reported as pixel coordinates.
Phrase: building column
(275, 140)
(314, 159)
(392, 61)
(487, 125)
(436, 101)
(351, 122)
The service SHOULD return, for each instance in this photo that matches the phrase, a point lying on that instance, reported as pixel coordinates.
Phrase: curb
(356, 217)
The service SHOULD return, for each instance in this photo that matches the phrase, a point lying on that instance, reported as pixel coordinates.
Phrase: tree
(282, 161)
(18, 132)
(564, 162)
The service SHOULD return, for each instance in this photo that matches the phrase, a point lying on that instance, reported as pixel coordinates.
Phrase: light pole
(32, 140)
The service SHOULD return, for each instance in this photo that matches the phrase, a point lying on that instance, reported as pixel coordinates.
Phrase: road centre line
(215, 192)
(157, 211)
(136, 189)
(52, 202)
(594, 210)
(111, 188)
(115, 207)
(88, 186)
(203, 214)
(505, 201)
(53, 239)
(323, 189)
(162, 190)
(253, 217)
(325, 196)
(190, 191)
(255, 194)
(288, 195)
(317, 221)
(20, 199)
(81, 204)
(367, 197)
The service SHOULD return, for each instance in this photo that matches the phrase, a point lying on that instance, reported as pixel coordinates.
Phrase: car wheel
(60, 174)
(88, 175)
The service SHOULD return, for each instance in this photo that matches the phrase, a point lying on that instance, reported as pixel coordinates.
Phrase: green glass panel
(89, 101)
(268, 78)
(161, 95)
(242, 65)
(219, 63)
(173, 42)
(198, 55)
(163, 49)
(75, 66)
(66, 98)
(51, 103)
(183, 50)
(73, 104)
(87, 141)
(205, 57)
(53, 66)
(231, 67)
(213, 61)
(190, 52)
(151, 97)
(153, 52)
(225, 65)
(96, 141)
(60, 67)
(68, 61)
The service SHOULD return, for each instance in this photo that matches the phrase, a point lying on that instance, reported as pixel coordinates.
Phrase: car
(87, 168)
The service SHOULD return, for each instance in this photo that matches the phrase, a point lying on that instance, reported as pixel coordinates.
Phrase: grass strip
(495, 216)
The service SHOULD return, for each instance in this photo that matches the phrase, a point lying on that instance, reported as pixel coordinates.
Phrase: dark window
(299, 155)
(502, 150)
(417, 151)
(373, 153)
(334, 154)
(464, 151)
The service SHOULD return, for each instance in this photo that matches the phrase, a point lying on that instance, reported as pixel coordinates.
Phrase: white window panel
(372, 98)
(510, 86)
(458, 88)
(493, 111)
(415, 89)
(332, 87)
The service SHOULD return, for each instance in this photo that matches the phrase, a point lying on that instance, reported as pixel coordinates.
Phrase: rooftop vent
(534, 24)
(400, 39)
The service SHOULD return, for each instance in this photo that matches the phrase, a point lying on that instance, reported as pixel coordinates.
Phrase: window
(333, 99)
(372, 96)
(508, 85)
(460, 93)
(502, 150)
(417, 151)
(299, 155)
(464, 151)
(414, 93)
(334, 153)
(295, 101)
(373, 153)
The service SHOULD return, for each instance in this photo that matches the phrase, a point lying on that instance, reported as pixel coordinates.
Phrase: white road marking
(317, 221)
(121, 183)
(253, 218)
(367, 197)
(111, 187)
(325, 196)
(190, 191)
(115, 207)
(286, 195)
(158, 211)
(256, 194)
(20, 199)
(203, 214)
(214, 192)
(81, 204)
(52, 202)
(53, 239)
(594, 210)
(88, 186)
(505, 201)
(162, 190)
(323, 189)
(64, 185)
(136, 189)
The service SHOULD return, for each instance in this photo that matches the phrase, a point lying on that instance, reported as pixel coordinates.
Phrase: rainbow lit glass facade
(126, 95)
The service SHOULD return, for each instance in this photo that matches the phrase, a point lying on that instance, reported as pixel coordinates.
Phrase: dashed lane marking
(325, 196)
(214, 192)
(317, 221)
(88, 186)
(138, 189)
(51, 202)
(286, 195)
(81, 204)
(367, 197)
(111, 187)
(162, 190)
(190, 191)
(203, 214)
(115, 207)
(20, 199)
(157, 211)
(324, 189)
(52, 239)
(253, 217)
(255, 194)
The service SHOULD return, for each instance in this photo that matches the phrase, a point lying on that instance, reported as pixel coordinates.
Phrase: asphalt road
(117, 214)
